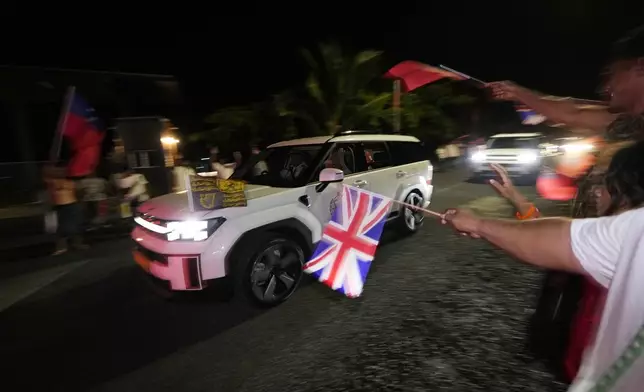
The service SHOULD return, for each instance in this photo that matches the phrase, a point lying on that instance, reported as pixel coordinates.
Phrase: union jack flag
(343, 256)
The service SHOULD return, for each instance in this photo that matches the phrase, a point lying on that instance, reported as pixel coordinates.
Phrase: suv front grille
(502, 158)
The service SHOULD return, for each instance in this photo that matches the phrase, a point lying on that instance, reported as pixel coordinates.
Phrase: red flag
(413, 74)
(556, 186)
(85, 134)
(84, 161)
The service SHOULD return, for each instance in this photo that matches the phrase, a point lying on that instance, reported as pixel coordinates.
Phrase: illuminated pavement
(439, 313)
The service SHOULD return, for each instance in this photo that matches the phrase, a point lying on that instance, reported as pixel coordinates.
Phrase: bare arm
(504, 186)
(593, 121)
(542, 242)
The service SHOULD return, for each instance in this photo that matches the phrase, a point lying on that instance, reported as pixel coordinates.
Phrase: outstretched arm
(590, 121)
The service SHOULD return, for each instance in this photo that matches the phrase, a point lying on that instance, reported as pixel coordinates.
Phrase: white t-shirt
(137, 185)
(223, 171)
(611, 250)
(180, 175)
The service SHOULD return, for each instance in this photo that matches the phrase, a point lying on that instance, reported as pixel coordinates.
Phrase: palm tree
(342, 90)
(338, 84)
(268, 120)
(424, 111)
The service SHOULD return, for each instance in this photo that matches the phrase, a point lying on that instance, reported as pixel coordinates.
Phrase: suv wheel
(409, 220)
(269, 269)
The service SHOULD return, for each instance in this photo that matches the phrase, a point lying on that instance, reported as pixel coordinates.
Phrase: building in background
(30, 105)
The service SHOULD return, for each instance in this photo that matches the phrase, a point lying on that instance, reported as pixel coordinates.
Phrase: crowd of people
(82, 204)
(608, 249)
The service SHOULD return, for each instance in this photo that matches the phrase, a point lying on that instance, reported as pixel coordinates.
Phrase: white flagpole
(189, 193)
(466, 76)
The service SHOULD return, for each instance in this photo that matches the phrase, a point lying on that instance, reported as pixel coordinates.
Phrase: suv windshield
(513, 142)
(282, 167)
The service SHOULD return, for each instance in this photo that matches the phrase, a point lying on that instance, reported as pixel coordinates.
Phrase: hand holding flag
(503, 91)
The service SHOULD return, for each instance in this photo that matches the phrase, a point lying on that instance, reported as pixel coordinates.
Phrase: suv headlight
(478, 156)
(577, 147)
(527, 157)
(193, 230)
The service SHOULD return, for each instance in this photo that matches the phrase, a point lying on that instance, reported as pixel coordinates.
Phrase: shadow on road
(90, 334)
(18, 247)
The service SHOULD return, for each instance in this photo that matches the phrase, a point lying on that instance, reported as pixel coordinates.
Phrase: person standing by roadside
(180, 174)
(135, 187)
(68, 210)
(94, 191)
(564, 348)
(238, 159)
(260, 166)
(608, 250)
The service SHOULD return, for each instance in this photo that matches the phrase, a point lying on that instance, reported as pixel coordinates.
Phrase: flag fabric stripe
(85, 134)
(349, 241)
(413, 74)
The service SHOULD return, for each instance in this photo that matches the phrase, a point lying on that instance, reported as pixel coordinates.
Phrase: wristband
(532, 213)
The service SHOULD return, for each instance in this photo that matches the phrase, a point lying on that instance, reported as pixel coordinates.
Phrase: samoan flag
(85, 133)
(529, 116)
(413, 74)
(343, 257)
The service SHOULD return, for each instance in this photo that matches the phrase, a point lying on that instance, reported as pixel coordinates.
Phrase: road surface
(439, 313)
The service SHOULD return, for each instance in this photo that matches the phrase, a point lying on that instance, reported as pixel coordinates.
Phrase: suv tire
(404, 221)
(268, 264)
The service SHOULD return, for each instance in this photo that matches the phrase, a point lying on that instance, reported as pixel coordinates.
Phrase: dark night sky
(241, 52)
(228, 56)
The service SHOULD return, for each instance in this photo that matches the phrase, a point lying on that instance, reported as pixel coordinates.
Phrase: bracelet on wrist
(532, 212)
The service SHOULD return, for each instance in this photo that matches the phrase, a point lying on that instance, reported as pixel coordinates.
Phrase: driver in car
(292, 169)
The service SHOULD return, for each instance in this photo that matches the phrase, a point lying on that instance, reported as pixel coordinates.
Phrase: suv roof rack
(347, 132)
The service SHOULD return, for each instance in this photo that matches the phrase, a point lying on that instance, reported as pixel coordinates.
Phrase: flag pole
(191, 204)
(396, 105)
(416, 208)
(466, 76)
(54, 153)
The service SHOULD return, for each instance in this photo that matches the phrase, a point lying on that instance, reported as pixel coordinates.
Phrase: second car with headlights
(519, 153)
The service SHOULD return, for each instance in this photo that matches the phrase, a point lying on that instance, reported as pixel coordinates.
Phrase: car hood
(175, 206)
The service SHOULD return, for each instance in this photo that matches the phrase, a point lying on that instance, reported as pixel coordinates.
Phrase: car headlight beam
(577, 147)
(193, 230)
(478, 157)
(527, 157)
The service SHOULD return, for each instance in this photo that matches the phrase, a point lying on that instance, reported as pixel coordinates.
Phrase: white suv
(518, 153)
(291, 191)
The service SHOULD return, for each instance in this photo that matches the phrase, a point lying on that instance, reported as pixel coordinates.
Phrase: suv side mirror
(328, 176)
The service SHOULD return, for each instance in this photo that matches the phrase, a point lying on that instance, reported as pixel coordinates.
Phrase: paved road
(439, 313)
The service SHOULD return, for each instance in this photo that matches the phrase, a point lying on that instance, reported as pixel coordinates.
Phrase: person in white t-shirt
(223, 169)
(135, 187)
(608, 249)
(181, 172)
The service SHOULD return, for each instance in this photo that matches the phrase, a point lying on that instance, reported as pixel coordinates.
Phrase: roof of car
(362, 137)
(535, 134)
